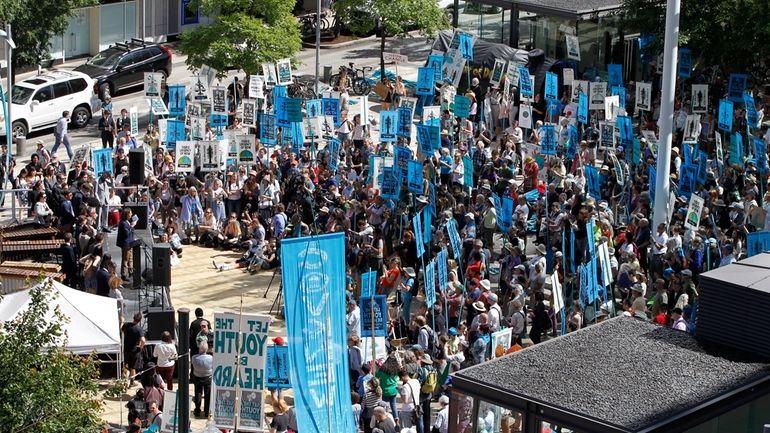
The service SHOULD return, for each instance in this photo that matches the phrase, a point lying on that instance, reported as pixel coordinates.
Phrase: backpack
(429, 383)
(431, 349)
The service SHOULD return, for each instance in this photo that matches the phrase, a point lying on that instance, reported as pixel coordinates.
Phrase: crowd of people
(498, 279)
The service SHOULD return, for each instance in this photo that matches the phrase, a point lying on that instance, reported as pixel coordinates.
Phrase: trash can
(20, 142)
(327, 72)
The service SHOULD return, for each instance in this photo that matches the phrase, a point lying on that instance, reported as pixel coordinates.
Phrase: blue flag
(592, 181)
(551, 86)
(313, 271)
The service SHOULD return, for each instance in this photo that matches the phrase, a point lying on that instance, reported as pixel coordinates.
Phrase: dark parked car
(123, 65)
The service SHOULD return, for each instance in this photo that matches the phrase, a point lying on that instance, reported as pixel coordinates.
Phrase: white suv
(38, 102)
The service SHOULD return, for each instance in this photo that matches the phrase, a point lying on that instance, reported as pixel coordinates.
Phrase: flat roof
(570, 8)
(625, 373)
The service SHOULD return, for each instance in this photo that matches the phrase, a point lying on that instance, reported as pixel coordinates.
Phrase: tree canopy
(34, 23)
(719, 32)
(243, 35)
(45, 389)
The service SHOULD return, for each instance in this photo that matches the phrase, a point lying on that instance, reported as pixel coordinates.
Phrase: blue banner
(177, 100)
(462, 106)
(466, 46)
(620, 92)
(436, 62)
(313, 108)
(390, 185)
(651, 173)
(267, 129)
(277, 367)
(548, 140)
(752, 117)
(725, 115)
(625, 131)
(467, 171)
(614, 75)
(582, 113)
(760, 155)
(368, 283)
(313, 274)
(430, 284)
(415, 177)
(374, 316)
(574, 141)
(280, 92)
(424, 140)
(293, 109)
(174, 132)
(101, 160)
(736, 87)
(427, 225)
(736, 149)
(404, 122)
(388, 125)
(425, 81)
(402, 156)
(454, 238)
(217, 120)
(525, 82)
(331, 107)
(684, 68)
(297, 136)
(636, 152)
(505, 215)
(757, 243)
(281, 112)
(592, 181)
(417, 227)
(703, 165)
(441, 264)
(689, 173)
(551, 86)
(334, 153)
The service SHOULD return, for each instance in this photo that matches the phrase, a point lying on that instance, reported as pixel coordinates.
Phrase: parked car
(123, 65)
(38, 102)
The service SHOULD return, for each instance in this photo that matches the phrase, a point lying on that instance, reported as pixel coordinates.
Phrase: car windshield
(21, 94)
(106, 59)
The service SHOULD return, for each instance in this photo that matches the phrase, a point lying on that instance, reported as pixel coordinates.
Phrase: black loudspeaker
(139, 208)
(136, 282)
(136, 166)
(159, 321)
(161, 265)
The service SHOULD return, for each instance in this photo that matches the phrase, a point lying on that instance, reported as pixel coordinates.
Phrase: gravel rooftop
(624, 372)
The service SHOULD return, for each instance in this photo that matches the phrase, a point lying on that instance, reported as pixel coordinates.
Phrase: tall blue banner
(441, 262)
(101, 160)
(525, 82)
(429, 275)
(415, 177)
(684, 68)
(625, 131)
(548, 140)
(651, 174)
(454, 238)
(277, 367)
(334, 153)
(736, 86)
(313, 273)
(424, 140)
(374, 316)
(505, 214)
(417, 227)
(425, 81)
(614, 75)
(582, 113)
(592, 181)
(427, 225)
(725, 115)
(404, 122)
(760, 154)
(388, 125)
(752, 117)
(551, 86)
(177, 100)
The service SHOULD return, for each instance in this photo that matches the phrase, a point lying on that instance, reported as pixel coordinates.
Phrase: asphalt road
(362, 53)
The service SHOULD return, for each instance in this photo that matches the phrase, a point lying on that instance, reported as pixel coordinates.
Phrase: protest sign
(404, 116)
(133, 114)
(268, 72)
(249, 112)
(177, 99)
(611, 108)
(757, 243)
(643, 96)
(551, 86)
(247, 148)
(497, 72)
(283, 68)
(211, 155)
(368, 283)
(736, 149)
(170, 421)
(402, 155)
(200, 89)
(462, 107)
(395, 58)
(620, 92)
(467, 171)
(417, 228)
(429, 275)
(548, 139)
(625, 130)
(525, 82)
(219, 100)
(684, 68)
(501, 339)
(578, 87)
(736, 87)
(615, 74)
(277, 367)
(267, 129)
(441, 264)
(505, 216)
(197, 128)
(436, 61)
(313, 108)
(700, 98)
(157, 107)
(239, 369)
(390, 187)
(692, 128)
(425, 81)
(415, 177)
(256, 87)
(573, 47)
(175, 131)
(374, 316)
(598, 93)
(606, 136)
(313, 271)
(694, 212)
(525, 116)
(152, 84)
(185, 153)
(101, 160)
(454, 238)
(466, 45)
(388, 125)
(582, 113)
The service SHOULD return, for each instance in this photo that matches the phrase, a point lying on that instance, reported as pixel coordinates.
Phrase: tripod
(278, 296)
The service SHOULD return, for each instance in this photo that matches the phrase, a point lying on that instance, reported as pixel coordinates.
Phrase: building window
(190, 12)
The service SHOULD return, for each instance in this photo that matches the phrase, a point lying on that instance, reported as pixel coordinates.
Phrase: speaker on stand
(161, 265)
(136, 166)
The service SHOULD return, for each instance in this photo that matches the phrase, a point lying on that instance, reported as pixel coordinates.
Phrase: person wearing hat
(727, 255)
(495, 314)
(677, 322)
(407, 289)
(353, 318)
(427, 375)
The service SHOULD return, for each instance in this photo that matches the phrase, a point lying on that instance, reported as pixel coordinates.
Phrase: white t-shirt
(165, 352)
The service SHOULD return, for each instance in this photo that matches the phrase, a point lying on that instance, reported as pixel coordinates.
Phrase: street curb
(341, 44)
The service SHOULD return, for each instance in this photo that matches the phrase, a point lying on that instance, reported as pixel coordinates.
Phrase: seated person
(254, 256)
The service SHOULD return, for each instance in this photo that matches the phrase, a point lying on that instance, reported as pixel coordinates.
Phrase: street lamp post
(9, 46)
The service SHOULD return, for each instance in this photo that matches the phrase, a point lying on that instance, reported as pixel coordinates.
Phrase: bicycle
(356, 77)
(301, 89)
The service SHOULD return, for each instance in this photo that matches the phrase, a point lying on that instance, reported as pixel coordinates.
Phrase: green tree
(45, 388)
(732, 34)
(243, 35)
(391, 18)
(34, 23)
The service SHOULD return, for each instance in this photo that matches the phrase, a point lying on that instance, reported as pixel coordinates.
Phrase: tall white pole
(9, 120)
(666, 120)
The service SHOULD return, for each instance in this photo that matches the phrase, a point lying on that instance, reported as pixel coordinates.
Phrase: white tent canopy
(93, 326)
